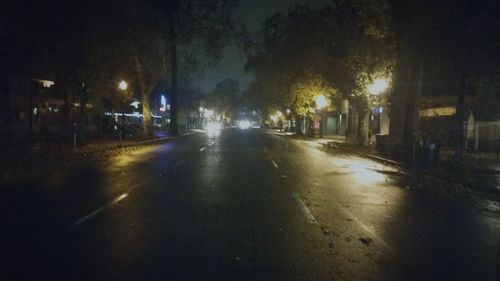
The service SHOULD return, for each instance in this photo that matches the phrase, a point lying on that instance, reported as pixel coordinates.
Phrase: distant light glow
(321, 102)
(276, 116)
(209, 113)
(135, 104)
(244, 124)
(213, 129)
(134, 114)
(378, 86)
(45, 83)
(123, 85)
(200, 109)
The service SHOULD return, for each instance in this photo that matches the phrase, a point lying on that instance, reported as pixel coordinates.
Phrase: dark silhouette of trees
(224, 99)
(428, 35)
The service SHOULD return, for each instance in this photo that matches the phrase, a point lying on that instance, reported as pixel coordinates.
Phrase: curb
(385, 160)
(467, 188)
(150, 141)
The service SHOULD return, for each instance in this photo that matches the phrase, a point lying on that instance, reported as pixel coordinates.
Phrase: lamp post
(321, 102)
(123, 87)
(375, 89)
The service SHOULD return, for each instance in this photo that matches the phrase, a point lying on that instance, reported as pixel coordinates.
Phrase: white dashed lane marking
(302, 206)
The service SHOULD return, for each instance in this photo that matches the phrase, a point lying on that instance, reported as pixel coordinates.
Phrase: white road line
(99, 210)
(365, 227)
(178, 164)
(274, 164)
(304, 209)
(203, 148)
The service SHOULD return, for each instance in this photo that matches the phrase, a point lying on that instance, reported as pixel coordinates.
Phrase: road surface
(246, 205)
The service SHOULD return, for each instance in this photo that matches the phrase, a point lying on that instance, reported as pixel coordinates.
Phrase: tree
(191, 98)
(224, 98)
(429, 34)
(472, 48)
(204, 25)
(341, 45)
(147, 49)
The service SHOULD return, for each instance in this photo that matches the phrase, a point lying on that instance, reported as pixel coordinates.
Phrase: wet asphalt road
(247, 205)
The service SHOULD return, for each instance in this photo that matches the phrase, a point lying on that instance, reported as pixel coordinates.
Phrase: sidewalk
(478, 173)
(22, 160)
(485, 162)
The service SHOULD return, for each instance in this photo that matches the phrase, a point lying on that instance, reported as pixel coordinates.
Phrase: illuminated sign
(437, 111)
(45, 83)
(163, 103)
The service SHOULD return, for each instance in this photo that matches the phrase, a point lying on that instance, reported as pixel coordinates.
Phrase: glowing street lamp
(378, 86)
(123, 85)
(321, 102)
(375, 89)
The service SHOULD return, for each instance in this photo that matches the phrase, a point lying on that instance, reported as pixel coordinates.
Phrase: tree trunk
(361, 128)
(146, 112)
(415, 106)
(147, 129)
(298, 126)
(407, 88)
(460, 117)
(82, 123)
(174, 128)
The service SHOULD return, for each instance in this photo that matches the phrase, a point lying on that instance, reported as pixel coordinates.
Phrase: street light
(378, 86)
(123, 87)
(321, 102)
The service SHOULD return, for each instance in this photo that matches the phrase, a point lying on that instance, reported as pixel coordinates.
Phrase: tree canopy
(336, 49)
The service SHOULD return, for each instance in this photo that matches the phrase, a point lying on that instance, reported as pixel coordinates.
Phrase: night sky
(252, 13)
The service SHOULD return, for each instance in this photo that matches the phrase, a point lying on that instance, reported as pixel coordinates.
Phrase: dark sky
(252, 13)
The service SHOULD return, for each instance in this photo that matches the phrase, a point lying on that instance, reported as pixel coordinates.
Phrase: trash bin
(382, 144)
